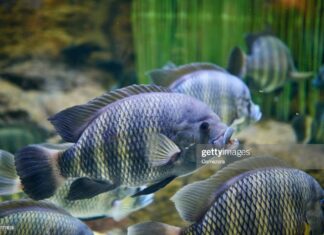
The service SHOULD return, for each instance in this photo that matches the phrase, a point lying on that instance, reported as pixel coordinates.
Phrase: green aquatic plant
(186, 31)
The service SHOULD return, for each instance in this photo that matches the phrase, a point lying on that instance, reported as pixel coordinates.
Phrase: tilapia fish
(225, 94)
(269, 64)
(257, 195)
(38, 218)
(133, 136)
(116, 204)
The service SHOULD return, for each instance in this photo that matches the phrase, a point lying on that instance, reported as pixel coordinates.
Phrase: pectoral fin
(155, 187)
(84, 188)
(161, 150)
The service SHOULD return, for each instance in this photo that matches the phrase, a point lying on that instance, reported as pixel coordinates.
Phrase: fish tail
(9, 181)
(153, 228)
(38, 170)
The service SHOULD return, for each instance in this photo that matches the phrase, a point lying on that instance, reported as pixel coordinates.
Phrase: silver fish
(38, 218)
(269, 64)
(258, 195)
(225, 94)
(131, 137)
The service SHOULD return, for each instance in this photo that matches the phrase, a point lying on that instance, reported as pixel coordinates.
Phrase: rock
(37, 105)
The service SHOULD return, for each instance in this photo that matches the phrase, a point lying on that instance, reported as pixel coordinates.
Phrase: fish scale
(26, 225)
(269, 63)
(38, 218)
(208, 90)
(263, 208)
(127, 136)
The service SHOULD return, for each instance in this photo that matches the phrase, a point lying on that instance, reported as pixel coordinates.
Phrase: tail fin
(9, 181)
(237, 62)
(299, 76)
(153, 228)
(38, 171)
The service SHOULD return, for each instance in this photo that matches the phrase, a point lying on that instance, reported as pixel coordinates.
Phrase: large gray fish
(224, 93)
(269, 64)
(38, 218)
(133, 136)
(116, 204)
(258, 195)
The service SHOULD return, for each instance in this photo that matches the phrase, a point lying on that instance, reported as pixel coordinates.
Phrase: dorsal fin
(11, 207)
(193, 200)
(250, 38)
(236, 62)
(71, 122)
(165, 77)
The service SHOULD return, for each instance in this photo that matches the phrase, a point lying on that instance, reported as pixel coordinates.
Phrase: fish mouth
(225, 141)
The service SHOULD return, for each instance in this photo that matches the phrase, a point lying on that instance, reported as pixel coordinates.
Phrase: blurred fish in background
(225, 94)
(269, 64)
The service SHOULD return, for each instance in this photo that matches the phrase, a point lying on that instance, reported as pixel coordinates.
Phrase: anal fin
(84, 188)
(155, 187)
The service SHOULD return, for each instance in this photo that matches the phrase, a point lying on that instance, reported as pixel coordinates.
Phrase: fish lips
(225, 141)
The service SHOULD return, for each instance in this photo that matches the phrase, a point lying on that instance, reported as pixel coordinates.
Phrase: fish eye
(204, 126)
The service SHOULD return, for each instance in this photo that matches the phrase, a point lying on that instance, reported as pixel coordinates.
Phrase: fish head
(246, 108)
(201, 126)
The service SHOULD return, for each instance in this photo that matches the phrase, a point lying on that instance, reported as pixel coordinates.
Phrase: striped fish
(257, 195)
(116, 204)
(38, 218)
(224, 93)
(134, 136)
(269, 64)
